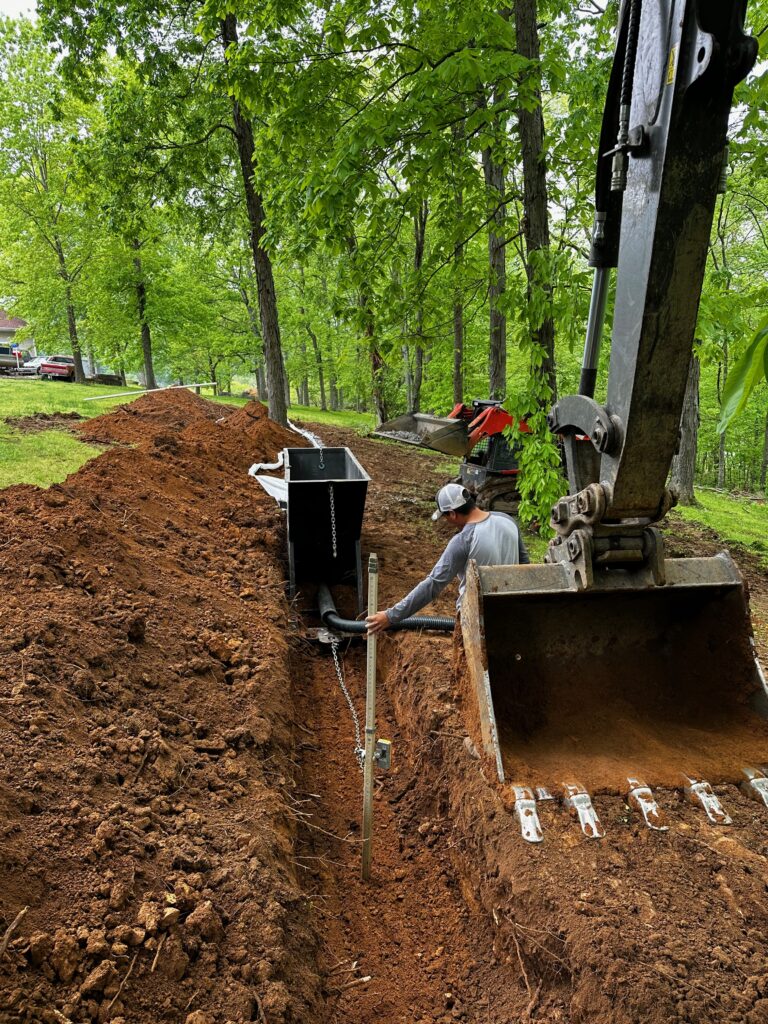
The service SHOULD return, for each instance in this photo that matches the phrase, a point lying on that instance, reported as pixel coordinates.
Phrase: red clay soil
(145, 708)
(641, 926)
(180, 799)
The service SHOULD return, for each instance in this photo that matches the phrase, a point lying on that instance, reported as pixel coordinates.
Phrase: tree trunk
(74, 340)
(459, 141)
(684, 463)
(497, 269)
(141, 304)
(419, 238)
(458, 351)
(408, 374)
(764, 466)
(369, 331)
(319, 364)
(333, 390)
(722, 374)
(212, 373)
(721, 462)
(315, 346)
(536, 219)
(286, 386)
(418, 376)
(303, 388)
(270, 327)
(377, 365)
(253, 320)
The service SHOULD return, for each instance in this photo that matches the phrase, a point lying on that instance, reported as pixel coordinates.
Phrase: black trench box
(327, 488)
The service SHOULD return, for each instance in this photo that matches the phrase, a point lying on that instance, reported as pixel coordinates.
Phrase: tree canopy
(349, 204)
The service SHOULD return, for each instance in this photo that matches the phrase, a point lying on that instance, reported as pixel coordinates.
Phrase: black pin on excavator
(611, 660)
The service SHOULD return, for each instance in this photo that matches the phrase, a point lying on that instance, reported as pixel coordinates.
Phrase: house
(9, 325)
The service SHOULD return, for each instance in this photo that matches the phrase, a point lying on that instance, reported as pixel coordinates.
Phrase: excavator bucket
(620, 680)
(439, 433)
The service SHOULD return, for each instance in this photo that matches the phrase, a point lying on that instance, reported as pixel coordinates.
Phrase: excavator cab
(611, 662)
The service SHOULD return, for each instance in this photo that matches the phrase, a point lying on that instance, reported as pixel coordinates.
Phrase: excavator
(612, 667)
(478, 433)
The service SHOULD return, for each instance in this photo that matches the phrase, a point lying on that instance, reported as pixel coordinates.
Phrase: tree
(684, 462)
(41, 134)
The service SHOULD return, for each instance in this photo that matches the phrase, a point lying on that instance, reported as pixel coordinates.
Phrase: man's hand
(378, 622)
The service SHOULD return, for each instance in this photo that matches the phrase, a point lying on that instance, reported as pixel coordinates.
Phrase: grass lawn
(26, 397)
(360, 421)
(42, 459)
(736, 519)
(47, 457)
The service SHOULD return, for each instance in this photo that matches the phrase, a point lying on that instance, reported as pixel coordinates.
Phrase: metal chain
(322, 462)
(333, 520)
(359, 749)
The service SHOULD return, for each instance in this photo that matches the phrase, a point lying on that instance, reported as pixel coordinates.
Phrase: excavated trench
(181, 801)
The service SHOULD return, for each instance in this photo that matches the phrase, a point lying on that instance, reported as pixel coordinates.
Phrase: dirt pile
(147, 805)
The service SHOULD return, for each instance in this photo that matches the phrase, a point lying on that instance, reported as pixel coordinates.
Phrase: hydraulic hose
(333, 620)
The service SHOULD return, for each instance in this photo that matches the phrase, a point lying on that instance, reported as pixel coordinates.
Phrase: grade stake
(370, 719)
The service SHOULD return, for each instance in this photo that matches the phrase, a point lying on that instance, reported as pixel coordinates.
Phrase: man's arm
(448, 565)
(523, 557)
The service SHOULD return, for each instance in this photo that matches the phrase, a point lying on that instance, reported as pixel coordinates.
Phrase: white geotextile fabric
(276, 488)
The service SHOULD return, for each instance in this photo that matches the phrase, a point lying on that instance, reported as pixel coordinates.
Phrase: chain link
(333, 520)
(359, 749)
(322, 461)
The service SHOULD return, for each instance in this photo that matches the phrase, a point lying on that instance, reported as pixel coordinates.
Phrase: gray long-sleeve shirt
(493, 541)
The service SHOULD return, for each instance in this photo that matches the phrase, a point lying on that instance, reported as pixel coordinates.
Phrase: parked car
(57, 367)
(31, 368)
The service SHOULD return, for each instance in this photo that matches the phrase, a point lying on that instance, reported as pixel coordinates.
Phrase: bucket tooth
(542, 793)
(700, 792)
(525, 809)
(755, 784)
(578, 802)
(640, 797)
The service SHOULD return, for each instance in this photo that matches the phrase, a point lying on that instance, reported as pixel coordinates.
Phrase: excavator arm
(610, 663)
(662, 161)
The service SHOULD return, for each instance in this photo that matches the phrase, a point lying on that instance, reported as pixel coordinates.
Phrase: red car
(62, 367)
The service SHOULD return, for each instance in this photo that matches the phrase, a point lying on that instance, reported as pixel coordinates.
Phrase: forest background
(377, 206)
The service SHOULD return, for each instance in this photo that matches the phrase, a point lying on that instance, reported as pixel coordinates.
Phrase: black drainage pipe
(333, 620)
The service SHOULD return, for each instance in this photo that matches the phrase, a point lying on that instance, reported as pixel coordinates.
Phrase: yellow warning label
(672, 65)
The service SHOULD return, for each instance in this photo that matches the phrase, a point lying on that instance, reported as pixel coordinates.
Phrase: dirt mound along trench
(147, 792)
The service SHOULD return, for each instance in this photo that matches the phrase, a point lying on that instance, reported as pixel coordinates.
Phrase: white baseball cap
(449, 498)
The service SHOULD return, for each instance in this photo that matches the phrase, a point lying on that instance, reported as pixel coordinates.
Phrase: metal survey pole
(370, 719)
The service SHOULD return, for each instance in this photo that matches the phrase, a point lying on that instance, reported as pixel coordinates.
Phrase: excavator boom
(611, 662)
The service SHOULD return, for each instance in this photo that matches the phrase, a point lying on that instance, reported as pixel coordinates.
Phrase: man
(490, 538)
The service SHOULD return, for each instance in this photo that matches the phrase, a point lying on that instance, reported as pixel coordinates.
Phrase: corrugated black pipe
(332, 619)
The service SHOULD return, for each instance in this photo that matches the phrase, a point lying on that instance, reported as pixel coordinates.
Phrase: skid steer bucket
(620, 679)
(438, 433)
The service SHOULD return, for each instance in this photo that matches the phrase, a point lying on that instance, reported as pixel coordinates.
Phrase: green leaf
(743, 378)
